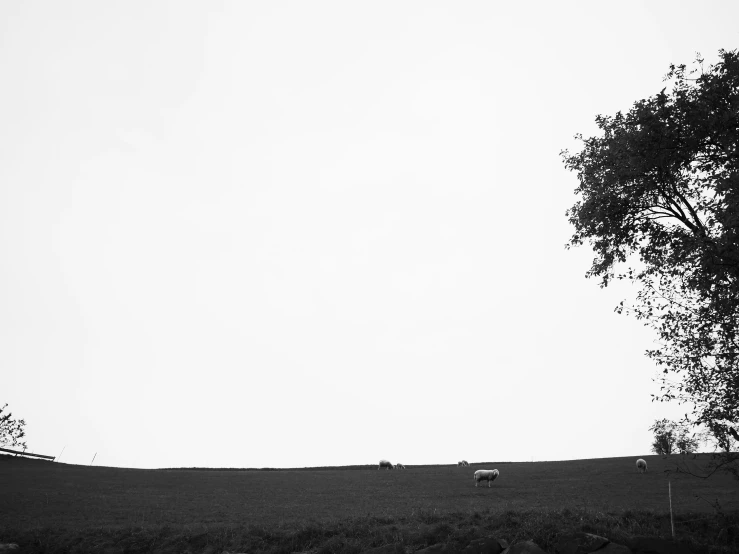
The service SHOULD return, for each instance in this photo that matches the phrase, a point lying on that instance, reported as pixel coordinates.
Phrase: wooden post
(93, 458)
(672, 522)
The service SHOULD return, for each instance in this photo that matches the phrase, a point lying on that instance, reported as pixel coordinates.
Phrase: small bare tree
(11, 430)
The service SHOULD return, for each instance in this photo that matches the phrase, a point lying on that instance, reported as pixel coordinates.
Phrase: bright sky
(247, 234)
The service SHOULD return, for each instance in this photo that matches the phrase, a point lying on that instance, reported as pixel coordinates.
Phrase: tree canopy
(658, 201)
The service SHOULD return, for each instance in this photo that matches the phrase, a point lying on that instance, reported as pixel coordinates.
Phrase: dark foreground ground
(50, 507)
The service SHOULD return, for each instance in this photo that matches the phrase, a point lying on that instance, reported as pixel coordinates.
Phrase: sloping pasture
(38, 494)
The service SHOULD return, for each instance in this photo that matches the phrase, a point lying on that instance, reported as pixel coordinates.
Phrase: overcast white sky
(303, 233)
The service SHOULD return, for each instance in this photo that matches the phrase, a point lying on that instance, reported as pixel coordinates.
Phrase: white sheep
(641, 465)
(463, 463)
(384, 463)
(399, 466)
(488, 475)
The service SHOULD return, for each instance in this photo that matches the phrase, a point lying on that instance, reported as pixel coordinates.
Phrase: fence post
(672, 523)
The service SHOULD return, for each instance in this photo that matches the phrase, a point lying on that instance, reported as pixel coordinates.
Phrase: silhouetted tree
(662, 183)
(11, 430)
(686, 442)
(722, 437)
(665, 436)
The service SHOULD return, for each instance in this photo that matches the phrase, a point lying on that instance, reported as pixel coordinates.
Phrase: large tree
(658, 201)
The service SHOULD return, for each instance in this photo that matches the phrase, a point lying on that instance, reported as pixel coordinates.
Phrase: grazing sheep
(384, 463)
(488, 475)
(641, 465)
(400, 466)
(463, 463)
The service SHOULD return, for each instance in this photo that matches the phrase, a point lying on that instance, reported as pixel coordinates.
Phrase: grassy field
(41, 499)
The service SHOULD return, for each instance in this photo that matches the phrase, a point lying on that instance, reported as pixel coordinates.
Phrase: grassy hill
(42, 499)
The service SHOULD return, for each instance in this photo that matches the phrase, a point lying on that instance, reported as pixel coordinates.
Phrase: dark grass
(48, 507)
